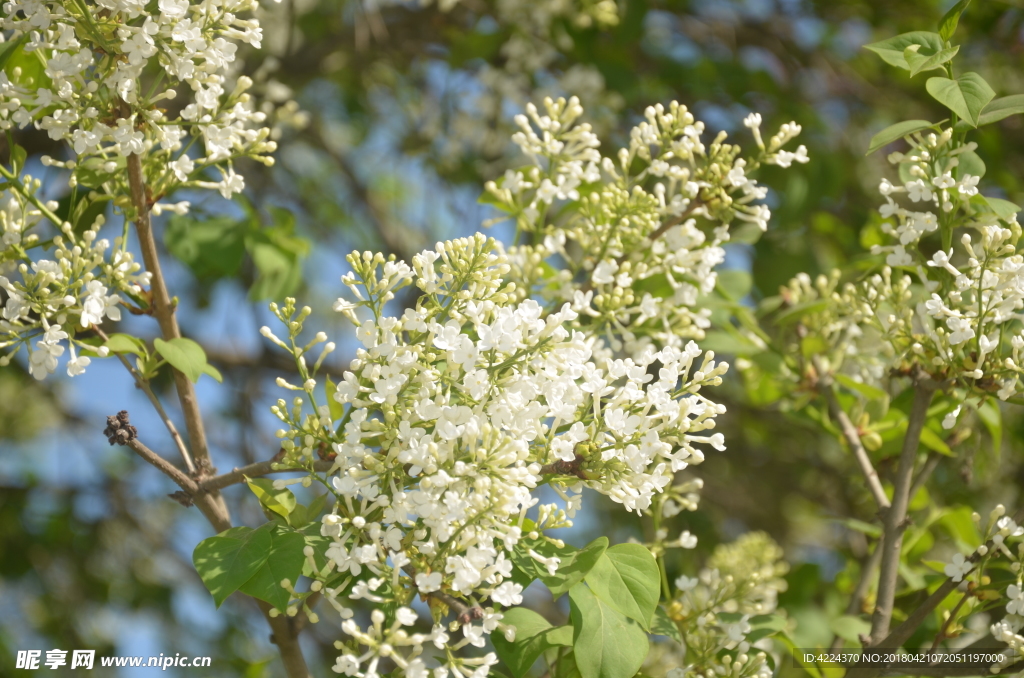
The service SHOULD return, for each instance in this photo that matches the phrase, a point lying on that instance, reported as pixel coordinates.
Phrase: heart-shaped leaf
(184, 355)
(534, 636)
(284, 561)
(627, 578)
(605, 642)
(227, 561)
(966, 96)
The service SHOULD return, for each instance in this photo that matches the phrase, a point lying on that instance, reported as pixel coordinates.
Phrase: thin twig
(941, 635)
(144, 385)
(894, 519)
(852, 437)
(167, 468)
(261, 468)
(926, 471)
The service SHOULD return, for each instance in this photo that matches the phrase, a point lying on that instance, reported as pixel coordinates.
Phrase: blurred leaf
(735, 284)
(868, 391)
(934, 442)
(949, 21)
(894, 132)
(211, 248)
(970, 163)
(992, 418)
(850, 628)
(664, 626)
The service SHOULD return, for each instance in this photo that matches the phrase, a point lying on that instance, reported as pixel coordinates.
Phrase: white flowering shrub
(567, 360)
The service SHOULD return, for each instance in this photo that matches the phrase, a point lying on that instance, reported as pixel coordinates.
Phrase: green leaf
(798, 311)
(18, 157)
(934, 442)
(125, 343)
(721, 341)
(230, 559)
(966, 96)
(866, 390)
(894, 132)
(970, 163)
(949, 21)
(284, 561)
(337, 410)
(627, 578)
(211, 248)
(1004, 209)
(735, 284)
(992, 417)
(575, 567)
(278, 254)
(534, 636)
(849, 627)
(211, 371)
(605, 642)
(1000, 108)
(664, 626)
(919, 62)
(184, 355)
(282, 502)
(94, 172)
(7, 49)
(892, 50)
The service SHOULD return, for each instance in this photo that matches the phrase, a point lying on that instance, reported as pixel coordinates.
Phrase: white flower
(949, 421)
(508, 594)
(428, 583)
(959, 567)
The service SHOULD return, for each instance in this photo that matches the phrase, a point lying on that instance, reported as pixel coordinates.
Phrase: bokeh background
(403, 112)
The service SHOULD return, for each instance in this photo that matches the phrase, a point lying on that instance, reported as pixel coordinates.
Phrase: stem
(144, 385)
(941, 635)
(164, 311)
(852, 438)
(254, 470)
(894, 519)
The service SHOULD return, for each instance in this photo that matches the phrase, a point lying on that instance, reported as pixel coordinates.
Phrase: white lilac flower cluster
(637, 235)
(91, 94)
(77, 71)
(454, 412)
(1000, 529)
(46, 299)
(721, 617)
(954, 310)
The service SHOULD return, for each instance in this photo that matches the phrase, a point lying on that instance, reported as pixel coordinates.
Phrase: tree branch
(852, 437)
(144, 386)
(894, 519)
(164, 311)
(261, 468)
